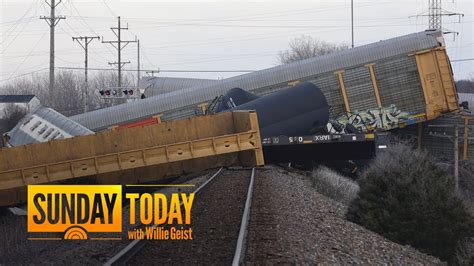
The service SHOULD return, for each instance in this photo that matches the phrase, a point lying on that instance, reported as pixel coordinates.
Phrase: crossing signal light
(128, 92)
(118, 93)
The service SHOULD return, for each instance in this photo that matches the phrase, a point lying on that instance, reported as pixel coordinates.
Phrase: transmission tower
(119, 45)
(435, 16)
(52, 21)
(84, 43)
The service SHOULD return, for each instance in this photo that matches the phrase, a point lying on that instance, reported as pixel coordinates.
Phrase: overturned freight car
(385, 84)
(133, 155)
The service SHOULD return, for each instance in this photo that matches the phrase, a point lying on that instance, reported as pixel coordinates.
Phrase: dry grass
(334, 185)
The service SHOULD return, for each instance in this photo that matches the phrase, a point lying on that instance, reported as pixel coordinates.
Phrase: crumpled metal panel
(44, 124)
(301, 70)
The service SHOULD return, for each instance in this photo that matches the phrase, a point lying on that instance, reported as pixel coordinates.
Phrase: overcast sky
(211, 35)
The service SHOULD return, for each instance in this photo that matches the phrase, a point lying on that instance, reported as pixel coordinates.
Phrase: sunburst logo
(75, 233)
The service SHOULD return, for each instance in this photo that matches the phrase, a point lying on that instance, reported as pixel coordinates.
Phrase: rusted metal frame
(123, 152)
(342, 87)
(97, 165)
(374, 84)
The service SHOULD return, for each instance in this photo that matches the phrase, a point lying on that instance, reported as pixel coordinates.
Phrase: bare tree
(465, 85)
(12, 114)
(306, 47)
(68, 97)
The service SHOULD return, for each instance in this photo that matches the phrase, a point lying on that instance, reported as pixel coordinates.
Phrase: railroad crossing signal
(122, 93)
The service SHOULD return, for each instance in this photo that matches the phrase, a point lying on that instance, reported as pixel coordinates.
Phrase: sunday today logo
(82, 211)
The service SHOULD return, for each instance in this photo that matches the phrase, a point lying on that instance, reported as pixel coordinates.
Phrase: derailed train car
(379, 86)
(294, 125)
(387, 84)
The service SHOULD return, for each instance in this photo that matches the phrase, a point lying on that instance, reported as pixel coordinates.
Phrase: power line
(117, 31)
(13, 27)
(77, 33)
(108, 7)
(16, 36)
(87, 24)
(84, 42)
(28, 56)
(24, 74)
(167, 70)
(435, 15)
(462, 60)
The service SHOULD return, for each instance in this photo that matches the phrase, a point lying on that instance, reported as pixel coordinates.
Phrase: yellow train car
(133, 155)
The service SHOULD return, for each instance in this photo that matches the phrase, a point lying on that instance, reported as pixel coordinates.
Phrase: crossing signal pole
(138, 63)
(352, 22)
(119, 44)
(84, 43)
(52, 21)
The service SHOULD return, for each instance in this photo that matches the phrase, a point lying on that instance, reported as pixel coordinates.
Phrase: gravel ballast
(216, 217)
(291, 223)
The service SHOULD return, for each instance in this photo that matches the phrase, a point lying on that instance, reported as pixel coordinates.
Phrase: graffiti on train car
(384, 118)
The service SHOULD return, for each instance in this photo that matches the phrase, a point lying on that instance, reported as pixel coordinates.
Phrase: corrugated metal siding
(329, 85)
(42, 125)
(399, 84)
(400, 46)
(160, 85)
(360, 90)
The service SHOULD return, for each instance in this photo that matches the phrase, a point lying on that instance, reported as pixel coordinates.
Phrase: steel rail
(239, 254)
(124, 255)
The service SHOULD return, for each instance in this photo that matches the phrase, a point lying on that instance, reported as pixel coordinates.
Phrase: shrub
(334, 185)
(466, 184)
(405, 197)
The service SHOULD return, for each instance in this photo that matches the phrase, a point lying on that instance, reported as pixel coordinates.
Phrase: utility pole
(455, 139)
(456, 158)
(138, 63)
(86, 40)
(352, 22)
(52, 21)
(119, 45)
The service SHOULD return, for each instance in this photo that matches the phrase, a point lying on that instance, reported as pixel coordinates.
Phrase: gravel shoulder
(292, 223)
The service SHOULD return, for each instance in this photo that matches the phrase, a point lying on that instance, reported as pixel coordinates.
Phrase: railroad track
(220, 219)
